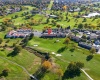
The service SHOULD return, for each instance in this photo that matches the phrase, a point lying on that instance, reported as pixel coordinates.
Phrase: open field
(21, 20)
(48, 45)
(25, 59)
(28, 60)
(32, 62)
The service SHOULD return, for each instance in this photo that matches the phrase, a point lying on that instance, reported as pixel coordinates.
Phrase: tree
(67, 41)
(84, 20)
(31, 36)
(1, 40)
(5, 72)
(66, 18)
(74, 46)
(75, 33)
(25, 40)
(47, 20)
(46, 65)
(73, 70)
(80, 64)
(89, 57)
(93, 50)
(93, 26)
(47, 56)
(80, 26)
(53, 22)
(65, 7)
(58, 26)
(14, 44)
(84, 36)
(3, 27)
(17, 49)
(59, 73)
(85, 25)
(16, 16)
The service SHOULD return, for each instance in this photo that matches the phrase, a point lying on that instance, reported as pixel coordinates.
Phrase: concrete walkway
(86, 74)
(19, 66)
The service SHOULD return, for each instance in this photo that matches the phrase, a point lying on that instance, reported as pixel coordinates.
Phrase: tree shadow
(40, 73)
(12, 54)
(70, 74)
(40, 76)
(89, 57)
(62, 49)
(72, 50)
(3, 74)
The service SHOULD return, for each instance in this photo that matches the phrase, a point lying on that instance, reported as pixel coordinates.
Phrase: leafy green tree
(80, 26)
(73, 70)
(84, 36)
(75, 33)
(66, 18)
(16, 16)
(79, 64)
(47, 20)
(5, 72)
(14, 44)
(84, 20)
(85, 25)
(17, 49)
(67, 41)
(58, 26)
(89, 57)
(25, 40)
(31, 36)
(3, 27)
(93, 50)
(53, 22)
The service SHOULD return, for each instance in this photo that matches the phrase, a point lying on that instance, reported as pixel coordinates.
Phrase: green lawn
(63, 22)
(24, 58)
(48, 45)
(29, 60)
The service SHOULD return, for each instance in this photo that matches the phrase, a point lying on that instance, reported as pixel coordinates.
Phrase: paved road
(19, 66)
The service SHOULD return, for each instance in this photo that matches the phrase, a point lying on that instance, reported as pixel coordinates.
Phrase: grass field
(48, 45)
(63, 22)
(31, 62)
(24, 58)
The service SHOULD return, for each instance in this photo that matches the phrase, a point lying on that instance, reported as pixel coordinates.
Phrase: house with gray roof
(19, 33)
(89, 46)
(92, 36)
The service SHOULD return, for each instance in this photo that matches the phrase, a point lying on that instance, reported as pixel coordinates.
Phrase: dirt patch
(35, 62)
(9, 49)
